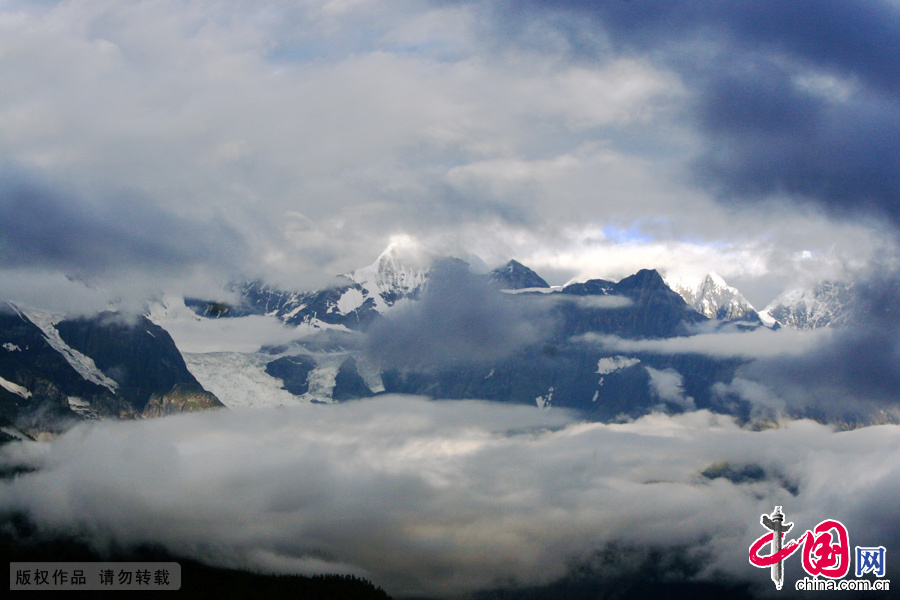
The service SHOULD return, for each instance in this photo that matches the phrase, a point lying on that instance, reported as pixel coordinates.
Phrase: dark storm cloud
(460, 318)
(43, 225)
(767, 138)
(797, 98)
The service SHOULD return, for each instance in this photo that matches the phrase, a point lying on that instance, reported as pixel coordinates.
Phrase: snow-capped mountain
(355, 299)
(398, 272)
(334, 363)
(713, 298)
(322, 345)
(551, 369)
(826, 304)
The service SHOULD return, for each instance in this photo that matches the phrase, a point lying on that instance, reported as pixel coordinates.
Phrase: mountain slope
(55, 371)
(826, 304)
(715, 299)
(141, 358)
(515, 276)
(41, 387)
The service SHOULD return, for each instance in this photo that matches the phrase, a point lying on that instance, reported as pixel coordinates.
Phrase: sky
(178, 146)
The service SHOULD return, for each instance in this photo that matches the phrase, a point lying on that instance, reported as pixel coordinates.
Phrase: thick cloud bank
(443, 498)
(166, 141)
(460, 318)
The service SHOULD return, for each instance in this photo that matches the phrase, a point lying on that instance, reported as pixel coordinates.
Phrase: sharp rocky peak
(400, 270)
(712, 297)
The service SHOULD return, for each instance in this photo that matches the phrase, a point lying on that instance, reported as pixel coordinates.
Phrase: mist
(460, 318)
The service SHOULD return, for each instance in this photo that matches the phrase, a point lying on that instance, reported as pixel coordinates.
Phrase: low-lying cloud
(444, 498)
(594, 302)
(460, 318)
(192, 333)
(760, 343)
(854, 372)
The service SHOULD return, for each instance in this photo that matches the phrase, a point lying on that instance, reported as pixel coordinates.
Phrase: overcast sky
(178, 145)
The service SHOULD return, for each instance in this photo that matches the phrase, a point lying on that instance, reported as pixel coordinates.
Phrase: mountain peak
(406, 247)
(400, 270)
(826, 304)
(712, 297)
(645, 277)
(713, 278)
(403, 253)
(646, 282)
(515, 276)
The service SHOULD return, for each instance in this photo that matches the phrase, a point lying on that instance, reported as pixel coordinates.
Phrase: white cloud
(609, 365)
(668, 386)
(421, 496)
(759, 343)
(624, 90)
(237, 334)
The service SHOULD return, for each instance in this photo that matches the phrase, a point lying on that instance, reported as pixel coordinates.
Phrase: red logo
(826, 549)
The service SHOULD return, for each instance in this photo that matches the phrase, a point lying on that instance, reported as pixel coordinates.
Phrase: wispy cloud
(760, 343)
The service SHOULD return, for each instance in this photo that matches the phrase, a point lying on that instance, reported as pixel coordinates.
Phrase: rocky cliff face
(139, 356)
(55, 371)
(180, 399)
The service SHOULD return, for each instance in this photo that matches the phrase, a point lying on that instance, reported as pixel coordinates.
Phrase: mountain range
(411, 322)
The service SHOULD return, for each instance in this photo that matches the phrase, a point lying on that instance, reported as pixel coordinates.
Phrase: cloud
(302, 138)
(459, 318)
(594, 302)
(854, 372)
(668, 386)
(47, 228)
(795, 100)
(759, 343)
(552, 296)
(446, 498)
(236, 334)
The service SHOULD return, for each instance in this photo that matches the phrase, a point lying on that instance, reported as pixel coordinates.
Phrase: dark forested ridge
(19, 542)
